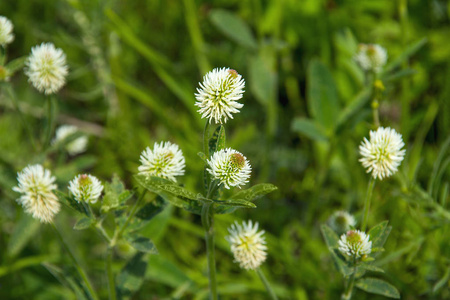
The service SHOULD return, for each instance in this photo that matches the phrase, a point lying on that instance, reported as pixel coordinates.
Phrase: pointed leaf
(72, 202)
(309, 128)
(331, 239)
(410, 50)
(235, 203)
(255, 192)
(379, 287)
(142, 244)
(132, 275)
(217, 141)
(24, 230)
(379, 233)
(83, 223)
(202, 156)
(371, 268)
(115, 194)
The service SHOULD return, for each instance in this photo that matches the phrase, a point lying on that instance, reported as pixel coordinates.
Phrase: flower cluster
(341, 221)
(46, 68)
(36, 186)
(371, 57)
(74, 147)
(218, 94)
(355, 243)
(247, 245)
(86, 188)
(230, 167)
(165, 160)
(382, 155)
(6, 31)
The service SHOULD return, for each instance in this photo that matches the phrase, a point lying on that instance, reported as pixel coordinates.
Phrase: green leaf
(379, 234)
(410, 50)
(255, 192)
(233, 27)
(130, 279)
(322, 97)
(331, 239)
(263, 81)
(235, 203)
(83, 223)
(217, 141)
(309, 128)
(142, 244)
(68, 280)
(146, 213)
(378, 286)
(15, 65)
(371, 268)
(115, 194)
(24, 230)
(400, 74)
(202, 156)
(356, 105)
(72, 202)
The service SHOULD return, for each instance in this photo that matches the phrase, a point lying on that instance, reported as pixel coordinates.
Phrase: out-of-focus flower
(46, 68)
(36, 186)
(247, 245)
(74, 147)
(371, 57)
(341, 221)
(6, 31)
(166, 160)
(86, 188)
(355, 243)
(218, 95)
(382, 155)
(230, 167)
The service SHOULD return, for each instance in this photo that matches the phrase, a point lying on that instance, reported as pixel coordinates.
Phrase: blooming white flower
(355, 243)
(382, 155)
(6, 34)
(166, 160)
(46, 68)
(74, 147)
(218, 94)
(341, 221)
(36, 185)
(371, 57)
(86, 188)
(247, 244)
(230, 167)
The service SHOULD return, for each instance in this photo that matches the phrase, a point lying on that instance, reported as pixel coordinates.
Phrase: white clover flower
(46, 68)
(218, 94)
(230, 167)
(6, 34)
(36, 185)
(247, 244)
(86, 188)
(355, 243)
(74, 147)
(166, 160)
(341, 221)
(371, 57)
(382, 155)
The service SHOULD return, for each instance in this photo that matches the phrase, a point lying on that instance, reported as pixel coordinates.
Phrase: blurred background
(134, 69)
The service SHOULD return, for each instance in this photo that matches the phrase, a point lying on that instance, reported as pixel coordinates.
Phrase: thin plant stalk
(110, 275)
(347, 295)
(208, 225)
(77, 265)
(51, 107)
(266, 283)
(370, 187)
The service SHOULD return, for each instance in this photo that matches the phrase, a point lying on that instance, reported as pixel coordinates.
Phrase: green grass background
(134, 67)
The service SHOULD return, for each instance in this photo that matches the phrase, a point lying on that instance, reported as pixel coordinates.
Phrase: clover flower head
(230, 167)
(355, 243)
(382, 155)
(341, 221)
(46, 68)
(36, 185)
(219, 93)
(6, 31)
(165, 160)
(371, 57)
(86, 188)
(247, 245)
(74, 147)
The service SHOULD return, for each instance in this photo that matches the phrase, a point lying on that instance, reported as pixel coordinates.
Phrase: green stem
(208, 225)
(347, 295)
(76, 265)
(266, 284)
(370, 187)
(51, 107)
(133, 211)
(206, 139)
(109, 272)
(375, 113)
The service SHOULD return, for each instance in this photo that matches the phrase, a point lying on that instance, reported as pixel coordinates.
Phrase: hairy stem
(208, 225)
(370, 187)
(77, 265)
(266, 284)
